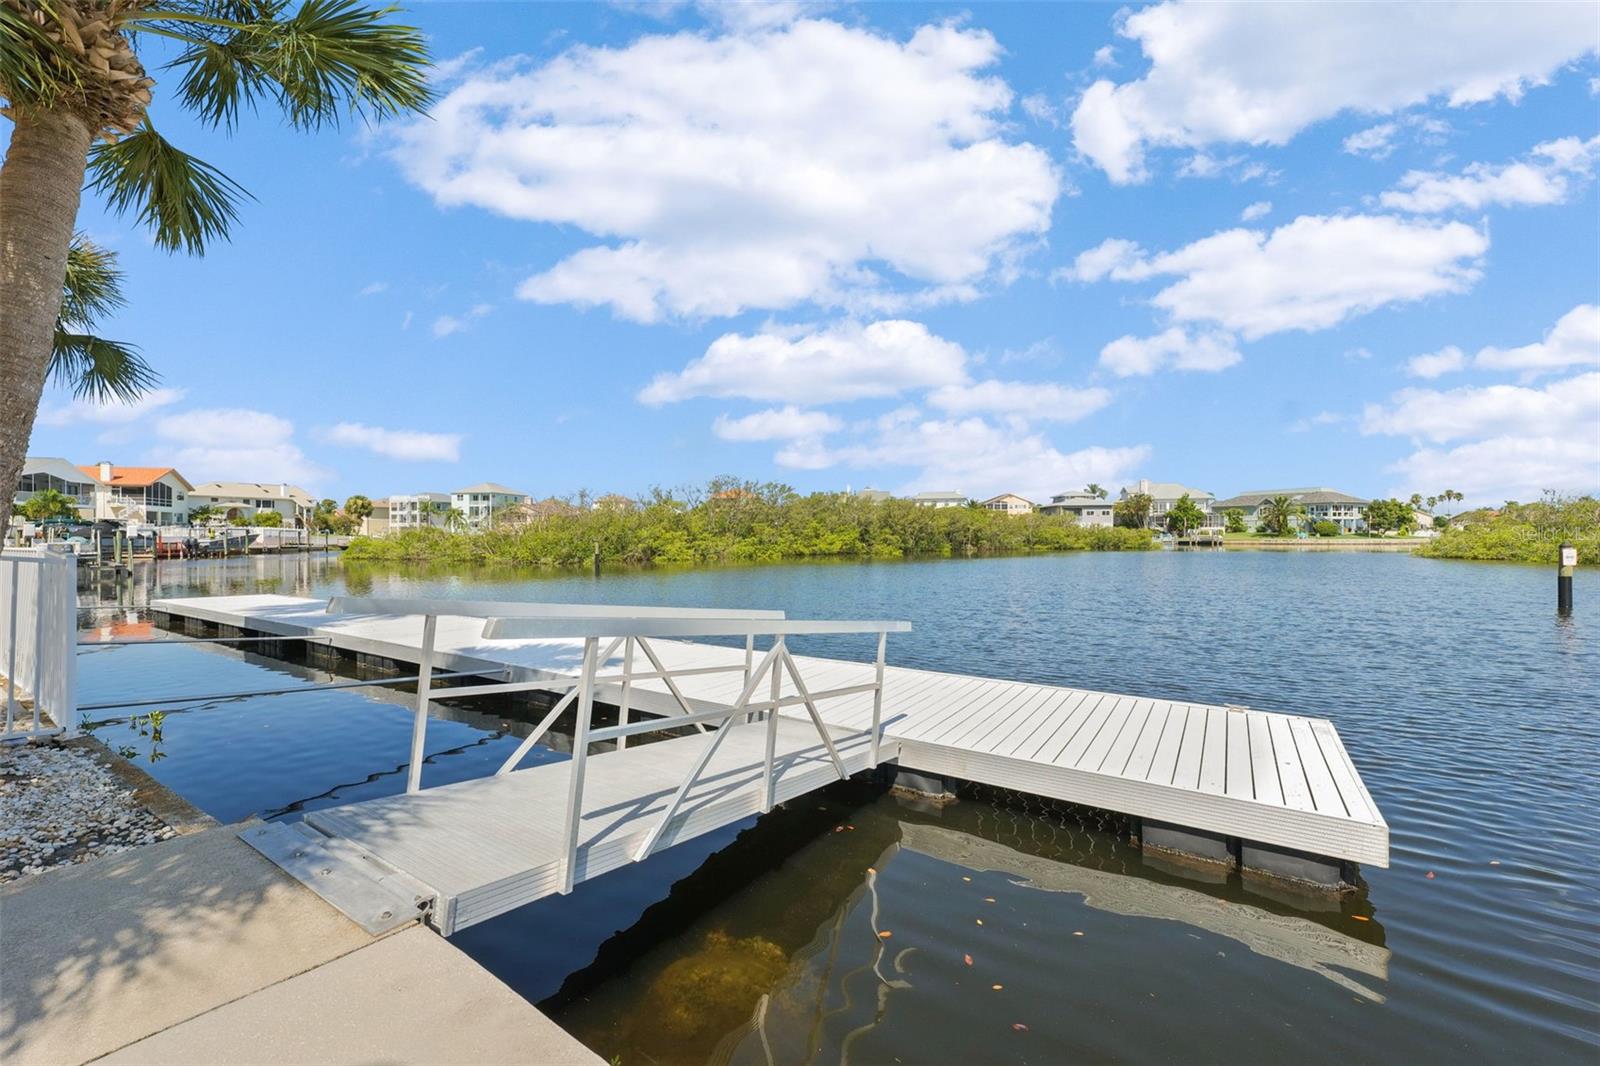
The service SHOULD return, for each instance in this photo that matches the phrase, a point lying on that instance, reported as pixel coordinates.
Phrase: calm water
(1469, 708)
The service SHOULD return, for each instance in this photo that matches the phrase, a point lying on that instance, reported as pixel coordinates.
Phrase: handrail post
(11, 642)
(419, 720)
(627, 690)
(580, 758)
(877, 697)
(41, 571)
(749, 655)
(769, 784)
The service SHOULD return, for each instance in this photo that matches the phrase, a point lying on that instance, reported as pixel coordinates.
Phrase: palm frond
(34, 69)
(93, 367)
(93, 287)
(328, 57)
(186, 201)
(98, 369)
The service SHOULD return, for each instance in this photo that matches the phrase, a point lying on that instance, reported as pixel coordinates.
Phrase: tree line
(740, 521)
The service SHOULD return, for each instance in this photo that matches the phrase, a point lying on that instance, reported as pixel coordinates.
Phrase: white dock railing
(38, 633)
(632, 629)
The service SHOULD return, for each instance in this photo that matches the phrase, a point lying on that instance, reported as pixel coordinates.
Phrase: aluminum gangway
(461, 853)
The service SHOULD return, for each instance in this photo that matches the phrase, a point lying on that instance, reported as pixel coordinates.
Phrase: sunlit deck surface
(489, 845)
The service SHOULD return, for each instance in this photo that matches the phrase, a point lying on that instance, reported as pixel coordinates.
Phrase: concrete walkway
(197, 949)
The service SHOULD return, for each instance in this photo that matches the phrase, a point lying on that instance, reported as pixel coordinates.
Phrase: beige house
(241, 501)
(1008, 502)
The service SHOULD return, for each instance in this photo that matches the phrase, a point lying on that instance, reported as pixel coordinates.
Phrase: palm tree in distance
(1097, 491)
(78, 96)
(1278, 515)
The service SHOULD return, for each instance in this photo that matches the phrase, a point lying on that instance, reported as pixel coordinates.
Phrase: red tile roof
(133, 476)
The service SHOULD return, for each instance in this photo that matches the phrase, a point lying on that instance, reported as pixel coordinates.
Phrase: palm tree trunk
(40, 183)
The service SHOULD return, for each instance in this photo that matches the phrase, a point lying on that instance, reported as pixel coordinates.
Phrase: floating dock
(1269, 791)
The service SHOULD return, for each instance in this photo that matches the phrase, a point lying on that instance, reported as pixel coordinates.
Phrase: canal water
(855, 927)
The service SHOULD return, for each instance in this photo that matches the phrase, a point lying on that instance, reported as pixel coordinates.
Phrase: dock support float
(1300, 868)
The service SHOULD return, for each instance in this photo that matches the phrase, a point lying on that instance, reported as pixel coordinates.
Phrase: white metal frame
(633, 628)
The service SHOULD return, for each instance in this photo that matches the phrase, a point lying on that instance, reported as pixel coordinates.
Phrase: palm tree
(1096, 491)
(454, 519)
(78, 95)
(1278, 515)
(49, 503)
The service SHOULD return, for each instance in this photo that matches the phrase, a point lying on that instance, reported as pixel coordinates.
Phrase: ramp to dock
(1267, 779)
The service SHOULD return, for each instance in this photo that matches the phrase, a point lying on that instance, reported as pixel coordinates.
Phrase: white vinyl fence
(38, 638)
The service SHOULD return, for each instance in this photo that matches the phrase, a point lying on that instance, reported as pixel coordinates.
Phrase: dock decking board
(1275, 779)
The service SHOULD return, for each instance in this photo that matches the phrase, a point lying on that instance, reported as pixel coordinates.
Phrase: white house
(241, 501)
(148, 495)
(1164, 495)
(48, 472)
(1087, 508)
(939, 499)
(418, 509)
(480, 502)
(1008, 502)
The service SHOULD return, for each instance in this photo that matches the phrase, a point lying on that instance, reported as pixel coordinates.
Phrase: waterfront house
(1321, 504)
(48, 472)
(874, 495)
(154, 495)
(1164, 495)
(376, 524)
(479, 503)
(1087, 508)
(939, 499)
(418, 509)
(241, 501)
(1008, 502)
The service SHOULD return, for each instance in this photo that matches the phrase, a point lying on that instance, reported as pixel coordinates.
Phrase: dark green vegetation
(1523, 532)
(743, 523)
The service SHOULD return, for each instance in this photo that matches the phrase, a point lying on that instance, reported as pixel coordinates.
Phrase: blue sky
(1003, 247)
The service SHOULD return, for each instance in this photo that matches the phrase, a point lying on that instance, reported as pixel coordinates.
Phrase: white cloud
(1309, 274)
(1027, 400)
(1141, 356)
(1504, 468)
(1260, 73)
(1321, 418)
(1374, 142)
(447, 325)
(1105, 56)
(408, 445)
(1573, 341)
(1444, 361)
(107, 414)
(1567, 408)
(812, 163)
(777, 423)
(1514, 441)
(1259, 209)
(1552, 172)
(842, 362)
(374, 288)
(972, 455)
(235, 444)
(405, 320)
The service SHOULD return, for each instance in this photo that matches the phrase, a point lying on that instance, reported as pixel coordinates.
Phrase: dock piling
(1567, 563)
